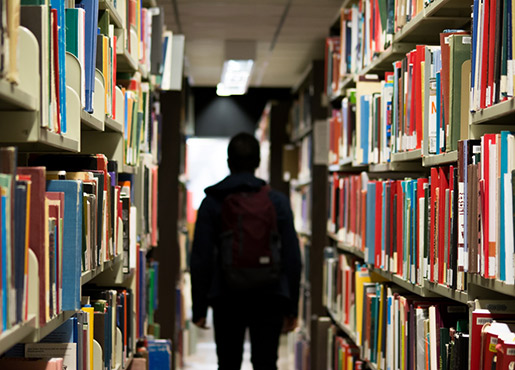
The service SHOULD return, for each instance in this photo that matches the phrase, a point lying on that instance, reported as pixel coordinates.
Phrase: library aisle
(205, 356)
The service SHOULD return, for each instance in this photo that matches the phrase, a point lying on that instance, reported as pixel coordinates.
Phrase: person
(266, 311)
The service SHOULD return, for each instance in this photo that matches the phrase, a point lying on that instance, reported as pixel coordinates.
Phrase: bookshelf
(113, 261)
(383, 165)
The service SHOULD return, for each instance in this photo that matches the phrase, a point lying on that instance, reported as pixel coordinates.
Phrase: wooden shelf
(413, 288)
(345, 247)
(125, 62)
(384, 61)
(407, 156)
(492, 284)
(299, 184)
(347, 165)
(447, 292)
(47, 142)
(347, 330)
(113, 126)
(303, 132)
(305, 233)
(91, 274)
(113, 13)
(129, 169)
(40, 333)
(440, 159)
(395, 167)
(17, 333)
(89, 122)
(498, 114)
(13, 98)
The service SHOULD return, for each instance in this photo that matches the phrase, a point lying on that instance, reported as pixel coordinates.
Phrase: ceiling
(206, 25)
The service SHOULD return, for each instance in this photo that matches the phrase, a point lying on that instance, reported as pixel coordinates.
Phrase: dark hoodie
(206, 272)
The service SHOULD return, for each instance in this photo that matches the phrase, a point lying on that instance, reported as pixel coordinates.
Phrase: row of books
(343, 353)
(61, 30)
(397, 330)
(366, 30)
(492, 76)
(422, 104)
(458, 220)
(301, 118)
(106, 317)
(81, 207)
(301, 208)
(394, 328)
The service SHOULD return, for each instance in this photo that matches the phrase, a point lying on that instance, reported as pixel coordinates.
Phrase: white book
(508, 229)
(421, 315)
(492, 204)
(389, 331)
(421, 239)
(432, 339)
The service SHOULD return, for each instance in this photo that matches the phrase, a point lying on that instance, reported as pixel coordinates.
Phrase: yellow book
(91, 325)
(379, 328)
(362, 277)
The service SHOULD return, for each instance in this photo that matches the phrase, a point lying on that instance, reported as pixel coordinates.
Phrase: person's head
(243, 153)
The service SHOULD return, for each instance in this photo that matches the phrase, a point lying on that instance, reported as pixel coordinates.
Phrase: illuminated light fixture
(237, 68)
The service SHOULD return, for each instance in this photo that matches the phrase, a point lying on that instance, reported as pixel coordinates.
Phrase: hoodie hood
(235, 182)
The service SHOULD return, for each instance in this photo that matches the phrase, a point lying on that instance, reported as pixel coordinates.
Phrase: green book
(460, 46)
(103, 22)
(72, 31)
(34, 2)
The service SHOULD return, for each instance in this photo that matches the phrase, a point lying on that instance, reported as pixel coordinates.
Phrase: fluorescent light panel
(235, 77)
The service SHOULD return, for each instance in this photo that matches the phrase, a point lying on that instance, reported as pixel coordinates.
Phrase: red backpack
(250, 243)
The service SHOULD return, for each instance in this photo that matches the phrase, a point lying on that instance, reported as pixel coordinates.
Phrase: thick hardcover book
(460, 46)
(90, 49)
(72, 240)
(37, 227)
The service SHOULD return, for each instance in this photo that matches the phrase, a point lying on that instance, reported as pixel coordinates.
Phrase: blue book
(20, 219)
(90, 47)
(5, 293)
(72, 240)
(475, 43)
(61, 32)
(159, 354)
(364, 119)
(370, 231)
(414, 231)
(504, 170)
(438, 112)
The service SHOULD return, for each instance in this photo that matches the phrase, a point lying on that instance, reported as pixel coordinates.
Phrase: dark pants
(262, 315)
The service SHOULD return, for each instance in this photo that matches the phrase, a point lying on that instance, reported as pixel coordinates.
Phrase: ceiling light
(237, 68)
(235, 77)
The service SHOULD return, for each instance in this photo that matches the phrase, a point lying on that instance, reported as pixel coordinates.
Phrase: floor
(205, 356)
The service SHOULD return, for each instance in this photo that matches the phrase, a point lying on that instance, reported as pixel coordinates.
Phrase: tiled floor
(205, 356)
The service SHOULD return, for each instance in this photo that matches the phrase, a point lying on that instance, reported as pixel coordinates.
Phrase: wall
(217, 116)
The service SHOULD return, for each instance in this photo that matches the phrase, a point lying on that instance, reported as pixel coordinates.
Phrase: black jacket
(206, 272)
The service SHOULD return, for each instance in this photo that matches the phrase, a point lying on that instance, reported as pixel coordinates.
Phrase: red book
(56, 210)
(444, 185)
(390, 245)
(55, 49)
(489, 237)
(480, 317)
(506, 353)
(491, 51)
(413, 92)
(484, 55)
(379, 223)
(400, 227)
(435, 183)
(37, 227)
(114, 77)
(363, 219)
(419, 114)
(420, 195)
